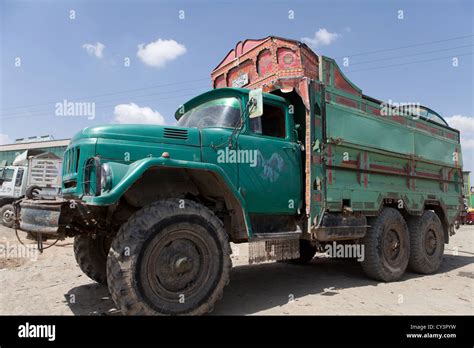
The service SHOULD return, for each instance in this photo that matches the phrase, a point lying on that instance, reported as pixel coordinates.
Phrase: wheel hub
(182, 265)
(430, 242)
(177, 265)
(8, 216)
(391, 245)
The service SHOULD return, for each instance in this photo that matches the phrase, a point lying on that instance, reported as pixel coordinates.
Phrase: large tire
(6, 213)
(386, 246)
(91, 256)
(171, 258)
(426, 242)
(307, 252)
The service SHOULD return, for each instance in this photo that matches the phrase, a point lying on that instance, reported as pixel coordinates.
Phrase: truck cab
(262, 156)
(12, 187)
(12, 183)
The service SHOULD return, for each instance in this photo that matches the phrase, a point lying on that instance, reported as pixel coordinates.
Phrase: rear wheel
(426, 242)
(170, 258)
(91, 256)
(386, 246)
(6, 212)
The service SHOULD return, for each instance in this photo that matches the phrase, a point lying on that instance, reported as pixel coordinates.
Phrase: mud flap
(273, 250)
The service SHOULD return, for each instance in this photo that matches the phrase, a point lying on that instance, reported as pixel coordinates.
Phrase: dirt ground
(52, 283)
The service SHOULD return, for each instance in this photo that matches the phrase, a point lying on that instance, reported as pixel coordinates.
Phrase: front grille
(71, 161)
(174, 133)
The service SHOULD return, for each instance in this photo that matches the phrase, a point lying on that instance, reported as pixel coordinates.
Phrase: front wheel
(171, 258)
(91, 256)
(6, 213)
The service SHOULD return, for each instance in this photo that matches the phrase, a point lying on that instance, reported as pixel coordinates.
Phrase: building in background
(468, 189)
(44, 143)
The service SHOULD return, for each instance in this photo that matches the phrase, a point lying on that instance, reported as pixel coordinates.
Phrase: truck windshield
(7, 174)
(222, 112)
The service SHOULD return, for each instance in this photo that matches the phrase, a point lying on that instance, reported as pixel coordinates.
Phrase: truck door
(7, 181)
(269, 166)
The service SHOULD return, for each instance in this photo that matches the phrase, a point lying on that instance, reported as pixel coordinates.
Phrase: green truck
(284, 153)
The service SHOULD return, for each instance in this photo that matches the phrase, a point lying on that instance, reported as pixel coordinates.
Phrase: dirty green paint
(351, 148)
(352, 134)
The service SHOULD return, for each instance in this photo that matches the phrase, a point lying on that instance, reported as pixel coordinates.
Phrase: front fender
(138, 168)
(7, 200)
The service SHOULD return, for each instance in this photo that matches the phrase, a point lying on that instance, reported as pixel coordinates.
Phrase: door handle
(289, 148)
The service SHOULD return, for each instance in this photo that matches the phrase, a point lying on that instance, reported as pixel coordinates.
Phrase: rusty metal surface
(39, 215)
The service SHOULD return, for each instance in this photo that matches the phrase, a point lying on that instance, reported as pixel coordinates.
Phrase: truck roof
(246, 45)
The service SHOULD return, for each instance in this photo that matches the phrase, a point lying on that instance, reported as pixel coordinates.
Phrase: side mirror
(255, 103)
(295, 131)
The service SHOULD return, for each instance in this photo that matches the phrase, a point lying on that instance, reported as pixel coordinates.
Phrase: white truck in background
(31, 169)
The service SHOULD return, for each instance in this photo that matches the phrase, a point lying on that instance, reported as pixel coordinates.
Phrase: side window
(271, 123)
(8, 175)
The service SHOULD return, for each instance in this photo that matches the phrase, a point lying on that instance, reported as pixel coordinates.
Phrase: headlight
(106, 177)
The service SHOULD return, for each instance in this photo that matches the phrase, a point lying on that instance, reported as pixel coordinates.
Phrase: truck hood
(143, 133)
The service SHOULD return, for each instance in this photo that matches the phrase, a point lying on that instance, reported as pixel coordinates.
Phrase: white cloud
(160, 52)
(132, 113)
(4, 139)
(96, 49)
(467, 144)
(465, 124)
(321, 38)
(467, 148)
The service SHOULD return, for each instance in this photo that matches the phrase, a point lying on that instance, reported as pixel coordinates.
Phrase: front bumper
(40, 216)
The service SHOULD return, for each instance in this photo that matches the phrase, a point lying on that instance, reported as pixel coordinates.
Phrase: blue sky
(82, 59)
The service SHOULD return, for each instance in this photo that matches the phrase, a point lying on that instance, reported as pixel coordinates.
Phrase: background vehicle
(310, 162)
(31, 168)
(469, 218)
